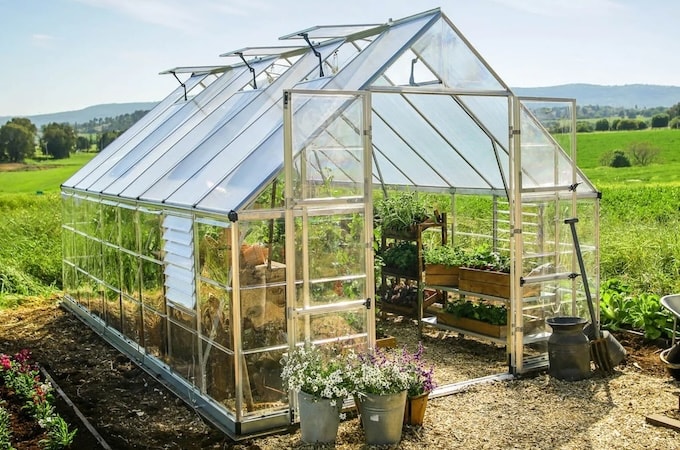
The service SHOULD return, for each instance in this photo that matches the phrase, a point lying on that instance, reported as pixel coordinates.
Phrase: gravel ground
(133, 411)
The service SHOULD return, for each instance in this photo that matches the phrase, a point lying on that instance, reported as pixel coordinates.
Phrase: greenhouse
(235, 220)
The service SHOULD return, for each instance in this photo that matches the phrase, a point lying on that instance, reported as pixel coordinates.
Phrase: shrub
(674, 123)
(583, 126)
(616, 158)
(642, 125)
(660, 120)
(642, 153)
(602, 125)
(627, 124)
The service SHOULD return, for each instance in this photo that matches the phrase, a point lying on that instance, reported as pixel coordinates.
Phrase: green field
(591, 147)
(639, 227)
(42, 176)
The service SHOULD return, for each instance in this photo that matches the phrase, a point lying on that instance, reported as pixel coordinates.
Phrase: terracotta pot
(414, 413)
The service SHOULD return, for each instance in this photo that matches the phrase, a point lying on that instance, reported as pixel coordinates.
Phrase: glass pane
(93, 258)
(132, 319)
(219, 376)
(130, 269)
(109, 223)
(346, 328)
(149, 121)
(447, 54)
(214, 249)
(266, 389)
(331, 161)
(183, 358)
(155, 334)
(128, 229)
(111, 266)
(150, 233)
(112, 308)
(215, 304)
(97, 299)
(152, 285)
(420, 135)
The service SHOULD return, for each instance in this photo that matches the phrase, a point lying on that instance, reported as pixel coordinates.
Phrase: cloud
(182, 15)
(42, 40)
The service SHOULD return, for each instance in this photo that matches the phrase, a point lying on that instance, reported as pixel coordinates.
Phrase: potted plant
(421, 383)
(400, 212)
(401, 258)
(322, 382)
(442, 264)
(380, 386)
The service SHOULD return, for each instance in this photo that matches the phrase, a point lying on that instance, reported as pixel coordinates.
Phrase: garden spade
(605, 350)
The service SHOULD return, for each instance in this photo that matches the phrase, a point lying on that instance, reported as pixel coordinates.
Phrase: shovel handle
(577, 247)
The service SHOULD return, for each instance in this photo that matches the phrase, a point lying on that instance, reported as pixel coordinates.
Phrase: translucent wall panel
(416, 130)
(215, 304)
(451, 58)
(141, 128)
(218, 155)
(262, 276)
(262, 373)
(219, 375)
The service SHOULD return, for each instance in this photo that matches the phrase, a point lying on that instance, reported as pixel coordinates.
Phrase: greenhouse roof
(217, 139)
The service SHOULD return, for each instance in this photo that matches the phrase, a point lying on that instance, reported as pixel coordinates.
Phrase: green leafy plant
(402, 255)
(482, 310)
(445, 255)
(22, 377)
(401, 210)
(485, 259)
(5, 429)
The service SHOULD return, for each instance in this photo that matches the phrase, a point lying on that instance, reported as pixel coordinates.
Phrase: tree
(16, 142)
(602, 125)
(107, 137)
(82, 143)
(58, 140)
(642, 125)
(617, 158)
(660, 121)
(642, 153)
(674, 123)
(674, 111)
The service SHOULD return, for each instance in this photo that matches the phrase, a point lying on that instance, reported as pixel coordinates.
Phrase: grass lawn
(40, 176)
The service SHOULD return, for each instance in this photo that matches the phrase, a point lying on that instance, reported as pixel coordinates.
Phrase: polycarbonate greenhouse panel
(150, 120)
(233, 140)
(385, 49)
(492, 112)
(188, 118)
(463, 132)
(397, 162)
(450, 57)
(415, 130)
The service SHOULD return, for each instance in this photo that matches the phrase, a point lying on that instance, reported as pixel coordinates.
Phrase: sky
(64, 55)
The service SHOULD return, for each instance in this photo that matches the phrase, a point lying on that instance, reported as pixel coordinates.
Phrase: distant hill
(627, 96)
(87, 114)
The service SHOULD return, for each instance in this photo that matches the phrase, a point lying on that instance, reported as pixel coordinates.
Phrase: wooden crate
(441, 275)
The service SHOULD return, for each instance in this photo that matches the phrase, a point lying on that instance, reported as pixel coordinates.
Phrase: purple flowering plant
(391, 371)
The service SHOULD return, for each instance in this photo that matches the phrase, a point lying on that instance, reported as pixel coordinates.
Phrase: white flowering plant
(311, 370)
(379, 373)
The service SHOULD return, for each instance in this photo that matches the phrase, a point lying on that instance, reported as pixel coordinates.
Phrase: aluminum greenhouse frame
(269, 166)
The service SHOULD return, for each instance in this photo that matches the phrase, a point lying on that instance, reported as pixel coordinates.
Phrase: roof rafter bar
(252, 70)
(305, 36)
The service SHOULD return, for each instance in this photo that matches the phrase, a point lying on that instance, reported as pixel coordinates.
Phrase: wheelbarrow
(671, 356)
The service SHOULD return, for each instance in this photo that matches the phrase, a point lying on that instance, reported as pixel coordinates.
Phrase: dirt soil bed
(132, 411)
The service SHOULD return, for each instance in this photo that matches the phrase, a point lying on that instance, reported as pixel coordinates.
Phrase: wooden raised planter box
(487, 282)
(441, 275)
(484, 328)
(476, 326)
